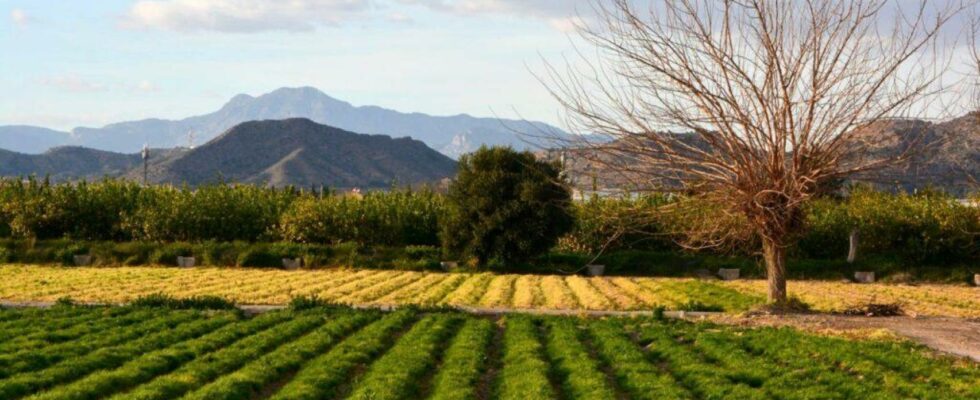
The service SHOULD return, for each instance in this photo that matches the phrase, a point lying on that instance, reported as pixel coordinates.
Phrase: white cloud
(400, 18)
(563, 15)
(536, 8)
(146, 87)
(73, 84)
(242, 15)
(19, 17)
(567, 24)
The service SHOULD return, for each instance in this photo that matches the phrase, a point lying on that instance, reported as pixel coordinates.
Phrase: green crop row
(69, 329)
(631, 369)
(463, 362)
(250, 380)
(202, 371)
(397, 374)
(33, 360)
(338, 352)
(525, 372)
(579, 373)
(23, 384)
(145, 367)
(324, 376)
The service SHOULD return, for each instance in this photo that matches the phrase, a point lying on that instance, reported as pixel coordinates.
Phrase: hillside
(450, 135)
(301, 152)
(946, 156)
(67, 163)
(31, 139)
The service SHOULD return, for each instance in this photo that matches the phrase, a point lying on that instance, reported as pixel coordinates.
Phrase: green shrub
(205, 302)
(505, 207)
(167, 254)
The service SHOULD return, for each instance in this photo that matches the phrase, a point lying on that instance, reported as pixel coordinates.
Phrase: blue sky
(87, 63)
(70, 63)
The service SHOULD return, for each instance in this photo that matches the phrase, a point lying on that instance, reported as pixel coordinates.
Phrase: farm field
(377, 287)
(153, 353)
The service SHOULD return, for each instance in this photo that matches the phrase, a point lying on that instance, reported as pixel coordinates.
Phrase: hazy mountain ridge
(295, 152)
(946, 156)
(451, 135)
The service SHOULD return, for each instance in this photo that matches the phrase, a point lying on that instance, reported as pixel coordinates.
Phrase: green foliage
(924, 227)
(613, 224)
(214, 212)
(401, 217)
(204, 302)
(124, 211)
(505, 207)
(313, 301)
(39, 209)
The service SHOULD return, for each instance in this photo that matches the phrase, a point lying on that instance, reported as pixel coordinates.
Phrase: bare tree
(771, 96)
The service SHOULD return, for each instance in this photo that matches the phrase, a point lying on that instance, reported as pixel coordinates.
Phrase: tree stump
(185, 262)
(292, 263)
(729, 274)
(864, 276)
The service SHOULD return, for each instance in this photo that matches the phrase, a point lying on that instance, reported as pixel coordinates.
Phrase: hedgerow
(125, 223)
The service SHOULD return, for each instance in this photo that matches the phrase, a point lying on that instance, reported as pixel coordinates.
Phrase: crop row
(407, 354)
(263, 286)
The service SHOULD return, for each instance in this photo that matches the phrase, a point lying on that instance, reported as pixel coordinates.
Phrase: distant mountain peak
(437, 132)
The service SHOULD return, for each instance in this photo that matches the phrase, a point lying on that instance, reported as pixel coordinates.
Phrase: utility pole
(146, 158)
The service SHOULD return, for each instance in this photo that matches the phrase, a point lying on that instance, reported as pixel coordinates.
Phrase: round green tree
(505, 207)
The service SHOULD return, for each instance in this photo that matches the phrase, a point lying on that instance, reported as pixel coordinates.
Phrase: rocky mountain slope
(301, 152)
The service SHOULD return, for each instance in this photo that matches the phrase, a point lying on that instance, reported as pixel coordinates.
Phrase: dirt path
(956, 336)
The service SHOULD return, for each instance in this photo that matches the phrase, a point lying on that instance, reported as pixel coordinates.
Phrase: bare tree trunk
(774, 256)
(852, 251)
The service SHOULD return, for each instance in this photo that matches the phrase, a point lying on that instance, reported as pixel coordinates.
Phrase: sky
(88, 63)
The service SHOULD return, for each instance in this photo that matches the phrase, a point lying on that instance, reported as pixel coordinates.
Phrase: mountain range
(450, 135)
(293, 151)
(945, 155)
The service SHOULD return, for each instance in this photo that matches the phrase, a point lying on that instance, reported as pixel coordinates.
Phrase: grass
(265, 286)
(335, 352)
